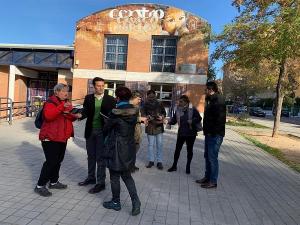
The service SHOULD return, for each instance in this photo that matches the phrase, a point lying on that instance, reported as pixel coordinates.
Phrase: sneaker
(43, 191)
(150, 164)
(58, 185)
(136, 208)
(97, 188)
(112, 205)
(159, 166)
(173, 168)
(202, 181)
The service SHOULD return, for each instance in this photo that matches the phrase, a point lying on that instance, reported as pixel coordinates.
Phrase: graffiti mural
(140, 20)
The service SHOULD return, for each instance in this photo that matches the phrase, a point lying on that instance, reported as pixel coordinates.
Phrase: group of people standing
(113, 134)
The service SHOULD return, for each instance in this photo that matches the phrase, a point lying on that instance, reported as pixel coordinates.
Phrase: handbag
(198, 126)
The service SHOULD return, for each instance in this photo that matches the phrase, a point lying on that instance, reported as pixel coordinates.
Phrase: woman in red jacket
(56, 129)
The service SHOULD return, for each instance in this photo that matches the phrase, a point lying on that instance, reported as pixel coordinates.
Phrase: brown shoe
(87, 181)
(209, 185)
(202, 181)
(97, 188)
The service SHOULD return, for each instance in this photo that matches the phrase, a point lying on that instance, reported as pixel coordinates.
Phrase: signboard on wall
(188, 68)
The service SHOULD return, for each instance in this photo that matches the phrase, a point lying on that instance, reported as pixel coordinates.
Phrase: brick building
(142, 46)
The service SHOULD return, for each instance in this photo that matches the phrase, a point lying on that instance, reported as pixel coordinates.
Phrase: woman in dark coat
(120, 145)
(186, 117)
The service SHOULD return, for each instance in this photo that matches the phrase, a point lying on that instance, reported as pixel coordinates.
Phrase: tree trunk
(279, 97)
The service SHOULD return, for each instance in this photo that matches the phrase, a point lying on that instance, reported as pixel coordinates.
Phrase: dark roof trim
(44, 47)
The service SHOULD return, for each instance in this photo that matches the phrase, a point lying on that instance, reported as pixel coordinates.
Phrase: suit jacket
(108, 103)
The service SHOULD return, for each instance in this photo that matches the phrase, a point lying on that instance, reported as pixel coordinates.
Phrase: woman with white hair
(55, 131)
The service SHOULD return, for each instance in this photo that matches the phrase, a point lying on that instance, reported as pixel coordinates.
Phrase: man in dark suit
(96, 107)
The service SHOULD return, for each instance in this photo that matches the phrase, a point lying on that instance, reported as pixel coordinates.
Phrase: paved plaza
(254, 188)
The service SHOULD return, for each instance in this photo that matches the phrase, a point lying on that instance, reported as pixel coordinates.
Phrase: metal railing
(7, 111)
(10, 109)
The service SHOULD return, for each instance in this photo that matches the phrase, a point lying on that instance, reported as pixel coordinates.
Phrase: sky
(52, 22)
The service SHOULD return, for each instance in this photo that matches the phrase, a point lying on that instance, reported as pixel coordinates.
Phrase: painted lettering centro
(142, 13)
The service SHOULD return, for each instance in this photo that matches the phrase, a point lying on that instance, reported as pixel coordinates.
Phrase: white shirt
(99, 96)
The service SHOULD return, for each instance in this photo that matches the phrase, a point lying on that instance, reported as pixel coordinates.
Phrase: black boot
(188, 164)
(187, 169)
(150, 164)
(136, 207)
(172, 168)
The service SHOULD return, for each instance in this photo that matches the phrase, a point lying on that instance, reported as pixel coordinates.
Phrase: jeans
(54, 154)
(94, 147)
(158, 140)
(115, 185)
(212, 147)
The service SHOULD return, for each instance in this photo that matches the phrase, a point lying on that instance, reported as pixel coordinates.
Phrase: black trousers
(189, 140)
(115, 185)
(54, 154)
(96, 163)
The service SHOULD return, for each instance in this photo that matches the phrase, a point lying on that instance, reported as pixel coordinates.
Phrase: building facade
(141, 46)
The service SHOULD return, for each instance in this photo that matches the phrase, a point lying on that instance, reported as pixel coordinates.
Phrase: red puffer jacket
(56, 126)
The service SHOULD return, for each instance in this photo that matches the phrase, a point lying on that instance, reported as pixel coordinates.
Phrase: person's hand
(146, 122)
(67, 104)
(160, 117)
(143, 119)
(78, 115)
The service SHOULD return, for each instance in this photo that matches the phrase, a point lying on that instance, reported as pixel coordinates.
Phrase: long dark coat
(119, 138)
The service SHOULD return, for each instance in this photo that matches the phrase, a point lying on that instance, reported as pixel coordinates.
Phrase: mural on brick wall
(142, 20)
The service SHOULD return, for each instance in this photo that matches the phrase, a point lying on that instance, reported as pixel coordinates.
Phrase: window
(109, 88)
(116, 52)
(163, 94)
(163, 54)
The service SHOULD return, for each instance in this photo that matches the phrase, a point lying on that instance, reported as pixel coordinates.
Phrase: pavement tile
(254, 188)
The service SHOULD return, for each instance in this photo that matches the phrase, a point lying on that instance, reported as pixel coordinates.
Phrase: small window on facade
(163, 57)
(116, 52)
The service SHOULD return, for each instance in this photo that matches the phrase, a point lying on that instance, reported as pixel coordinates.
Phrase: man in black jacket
(95, 108)
(214, 131)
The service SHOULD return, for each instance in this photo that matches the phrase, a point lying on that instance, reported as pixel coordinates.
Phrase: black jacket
(152, 110)
(214, 116)
(108, 103)
(119, 138)
(185, 129)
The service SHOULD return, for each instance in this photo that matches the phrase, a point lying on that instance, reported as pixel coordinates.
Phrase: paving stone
(254, 187)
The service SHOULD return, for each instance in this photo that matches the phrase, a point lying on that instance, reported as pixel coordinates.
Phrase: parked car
(284, 113)
(236, 109)
(257, 111)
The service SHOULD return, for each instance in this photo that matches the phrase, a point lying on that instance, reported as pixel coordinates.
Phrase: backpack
(39, 119)
(198, 125)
